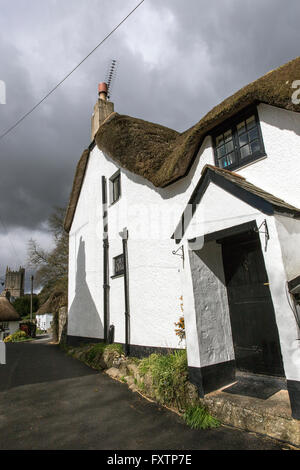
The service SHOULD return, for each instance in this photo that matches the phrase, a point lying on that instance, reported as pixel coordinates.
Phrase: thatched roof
(162, 155)
(7, 311)
(56, 300)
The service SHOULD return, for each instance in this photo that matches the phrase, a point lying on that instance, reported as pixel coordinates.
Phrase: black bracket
(265, 231)
(175, 252)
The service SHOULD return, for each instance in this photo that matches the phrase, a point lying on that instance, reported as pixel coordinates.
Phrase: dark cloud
(176, 61)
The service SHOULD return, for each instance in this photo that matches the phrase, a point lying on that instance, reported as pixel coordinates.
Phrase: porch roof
(238, 186)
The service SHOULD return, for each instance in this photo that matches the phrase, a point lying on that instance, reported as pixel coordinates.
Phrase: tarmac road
(49, 401)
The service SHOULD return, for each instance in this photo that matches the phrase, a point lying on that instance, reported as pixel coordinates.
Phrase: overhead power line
(70, 73)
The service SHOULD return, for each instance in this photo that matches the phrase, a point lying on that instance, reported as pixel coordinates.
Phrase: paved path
(49, 400)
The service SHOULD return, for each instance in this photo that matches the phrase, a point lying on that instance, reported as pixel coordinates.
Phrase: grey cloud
(216, 48)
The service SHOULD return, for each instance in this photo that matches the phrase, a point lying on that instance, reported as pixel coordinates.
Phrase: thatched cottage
(208, 222)
(9, 318)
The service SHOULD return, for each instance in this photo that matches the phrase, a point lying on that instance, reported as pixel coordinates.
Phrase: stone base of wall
(271, 417)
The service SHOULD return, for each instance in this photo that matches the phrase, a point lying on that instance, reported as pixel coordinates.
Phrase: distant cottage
(9, 318)
(211, 216)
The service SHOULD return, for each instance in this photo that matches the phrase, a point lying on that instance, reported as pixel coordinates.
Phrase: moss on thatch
(7, 311)
(77, 183)
(162, 155)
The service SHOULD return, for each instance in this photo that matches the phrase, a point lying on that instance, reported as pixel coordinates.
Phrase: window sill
(246, 163)
(258, 159)
(114, 202)
(117, 275)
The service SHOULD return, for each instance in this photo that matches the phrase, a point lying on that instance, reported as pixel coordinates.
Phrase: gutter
(106, 286)
(124, 236)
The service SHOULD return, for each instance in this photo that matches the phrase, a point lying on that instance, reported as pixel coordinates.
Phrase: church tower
(14, 283)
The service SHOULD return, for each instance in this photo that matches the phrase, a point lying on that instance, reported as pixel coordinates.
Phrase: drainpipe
(106, 286)
(124, 236)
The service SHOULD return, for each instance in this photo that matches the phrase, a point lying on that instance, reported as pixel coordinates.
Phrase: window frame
(231, 124)
(118, 273)
(112, 179)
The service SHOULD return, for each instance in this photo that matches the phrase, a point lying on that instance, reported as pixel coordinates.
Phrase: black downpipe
(126, 291)
(106, 286)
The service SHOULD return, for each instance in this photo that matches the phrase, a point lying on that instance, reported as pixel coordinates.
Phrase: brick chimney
(102, 109)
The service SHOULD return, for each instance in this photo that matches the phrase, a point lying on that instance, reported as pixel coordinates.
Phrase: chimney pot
(102, 109)
(102, 91)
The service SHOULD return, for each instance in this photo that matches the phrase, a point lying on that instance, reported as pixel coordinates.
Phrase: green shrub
(115, 347)
(169, 374)
(198, 418)
(94, 351)
(16, 337)
(91, 353)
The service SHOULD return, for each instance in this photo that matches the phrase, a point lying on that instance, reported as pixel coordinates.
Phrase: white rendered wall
(289, 237)
(286, 323)
(150, 215)
(13, 326)
(211, 305)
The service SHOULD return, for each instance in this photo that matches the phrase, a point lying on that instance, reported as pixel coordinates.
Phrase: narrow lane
(49, 400)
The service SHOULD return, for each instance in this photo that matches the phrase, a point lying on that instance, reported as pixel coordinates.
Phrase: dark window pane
(116, 188)
(229, 146)
(241, 127)
(223, 162)
(231, 158)
(251, 122)
(245, 151)
(221, 151)
(228, 136)
(255, 146)
(243, 139)
(253, 134)
(219, 140)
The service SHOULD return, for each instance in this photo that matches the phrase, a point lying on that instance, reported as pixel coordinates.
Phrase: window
(115, 187)
(239, 143)
(118, 265)
(4, 326)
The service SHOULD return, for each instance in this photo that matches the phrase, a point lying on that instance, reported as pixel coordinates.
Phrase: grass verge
(198, 418)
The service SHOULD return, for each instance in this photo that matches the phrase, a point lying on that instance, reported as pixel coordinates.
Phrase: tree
(52, 266)
(22, 304)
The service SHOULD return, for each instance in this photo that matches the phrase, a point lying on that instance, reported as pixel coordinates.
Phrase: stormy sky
(176, 60)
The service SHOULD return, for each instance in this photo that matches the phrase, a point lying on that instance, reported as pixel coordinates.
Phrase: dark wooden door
(254, 329)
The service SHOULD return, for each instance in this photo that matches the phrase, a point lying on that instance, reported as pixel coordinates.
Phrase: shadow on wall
(83, 318)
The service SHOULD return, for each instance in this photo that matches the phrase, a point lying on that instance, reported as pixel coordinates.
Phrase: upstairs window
(115, 187)
(239, 143)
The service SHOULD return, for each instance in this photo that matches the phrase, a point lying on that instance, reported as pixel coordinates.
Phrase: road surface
(49, 400)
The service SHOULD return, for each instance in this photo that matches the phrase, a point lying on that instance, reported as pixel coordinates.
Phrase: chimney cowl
(102, 90)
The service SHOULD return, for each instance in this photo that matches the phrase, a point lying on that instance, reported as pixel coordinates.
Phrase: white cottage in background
(211, 215)
(43, 321)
